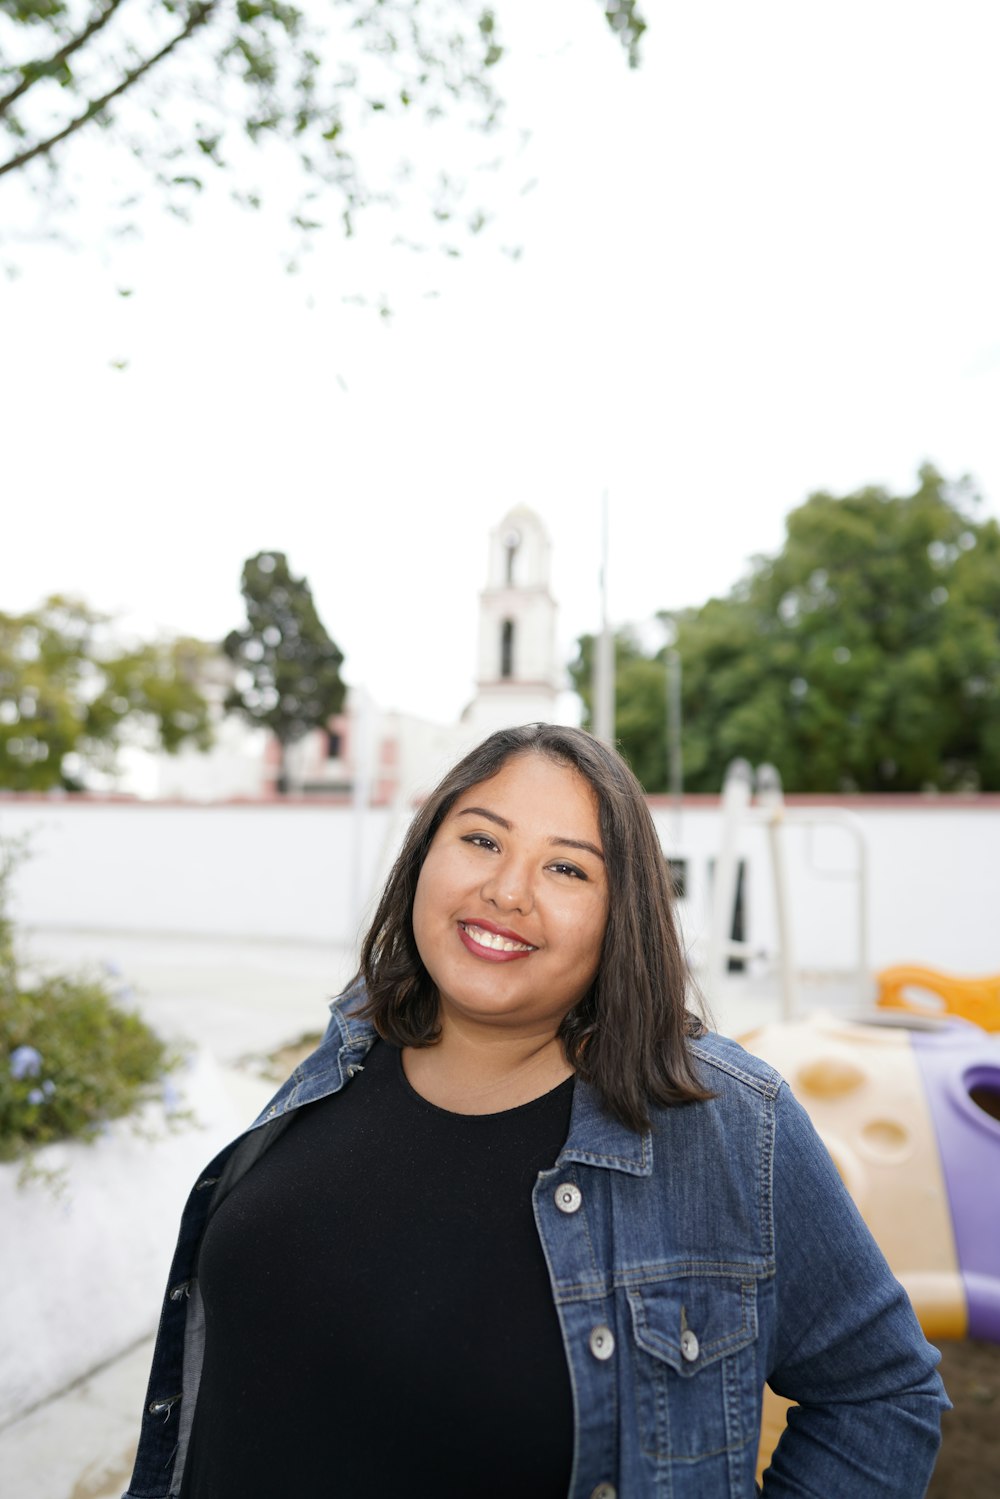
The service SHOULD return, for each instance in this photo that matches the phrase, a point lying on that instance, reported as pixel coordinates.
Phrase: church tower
(517, 675)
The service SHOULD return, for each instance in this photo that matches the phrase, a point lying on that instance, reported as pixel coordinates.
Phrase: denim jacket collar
(595, 1137)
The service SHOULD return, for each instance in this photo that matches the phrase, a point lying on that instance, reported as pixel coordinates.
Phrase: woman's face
(512, 899)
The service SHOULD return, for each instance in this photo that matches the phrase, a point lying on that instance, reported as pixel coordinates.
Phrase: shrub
(70, 1059)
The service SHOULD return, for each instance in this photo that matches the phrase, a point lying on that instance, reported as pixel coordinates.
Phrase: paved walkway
(80, 1446)
(243, 1000)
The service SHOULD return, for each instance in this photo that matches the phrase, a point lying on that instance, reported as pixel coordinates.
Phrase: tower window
(507, 648)
(511, 543)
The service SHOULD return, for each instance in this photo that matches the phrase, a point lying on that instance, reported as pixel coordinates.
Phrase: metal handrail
(772, 813)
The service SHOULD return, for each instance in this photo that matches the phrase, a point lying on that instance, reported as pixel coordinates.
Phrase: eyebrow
(556, 842)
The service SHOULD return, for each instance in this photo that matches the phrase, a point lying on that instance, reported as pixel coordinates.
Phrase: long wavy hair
(628, 1035)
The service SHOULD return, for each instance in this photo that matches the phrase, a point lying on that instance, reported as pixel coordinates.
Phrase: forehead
(536, 787)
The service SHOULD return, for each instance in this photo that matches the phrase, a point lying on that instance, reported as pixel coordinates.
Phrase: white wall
(934, 883)
(234, 766)
(297, 871)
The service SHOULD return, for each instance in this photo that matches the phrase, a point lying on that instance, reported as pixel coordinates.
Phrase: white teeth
(492, 939)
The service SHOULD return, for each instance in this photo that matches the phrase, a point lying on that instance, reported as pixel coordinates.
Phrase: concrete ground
(243, 1000)
(239, 998)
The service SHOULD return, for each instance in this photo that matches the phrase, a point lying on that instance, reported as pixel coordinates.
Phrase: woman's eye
(570, 869)
(480, 840)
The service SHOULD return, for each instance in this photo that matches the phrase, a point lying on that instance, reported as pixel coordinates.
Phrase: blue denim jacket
(689, 1265)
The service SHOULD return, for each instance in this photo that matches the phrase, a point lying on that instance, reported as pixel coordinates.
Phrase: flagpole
(604, 654)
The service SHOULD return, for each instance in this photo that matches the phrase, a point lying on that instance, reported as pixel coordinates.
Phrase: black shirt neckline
(548, 1097)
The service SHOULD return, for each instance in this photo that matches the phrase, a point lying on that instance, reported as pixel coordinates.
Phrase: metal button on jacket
(605, 1491)
(689, 1345)
(602, 1342)
(568, 1197)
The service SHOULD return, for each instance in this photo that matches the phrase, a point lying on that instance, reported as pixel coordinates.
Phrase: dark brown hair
(628, 1035)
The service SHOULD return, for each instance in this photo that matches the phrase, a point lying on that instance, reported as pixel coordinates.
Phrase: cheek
(422, 906)
(601, 928)
(434, 884)
(432, 904)
(588, 938)
(425, 945)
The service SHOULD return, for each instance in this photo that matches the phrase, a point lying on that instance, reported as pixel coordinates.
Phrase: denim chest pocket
(695, 1365)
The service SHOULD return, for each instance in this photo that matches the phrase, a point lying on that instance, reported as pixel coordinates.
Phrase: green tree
(864, 656)
(71, 695)
(183, 85)
(640, 703)
(288, 667)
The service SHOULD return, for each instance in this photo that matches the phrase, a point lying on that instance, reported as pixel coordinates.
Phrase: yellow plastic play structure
(866, 1090)
(975, 999)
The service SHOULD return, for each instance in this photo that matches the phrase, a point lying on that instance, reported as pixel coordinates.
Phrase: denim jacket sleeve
(846, 1344)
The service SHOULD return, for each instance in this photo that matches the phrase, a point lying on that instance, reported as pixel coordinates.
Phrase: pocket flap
(691, 1321)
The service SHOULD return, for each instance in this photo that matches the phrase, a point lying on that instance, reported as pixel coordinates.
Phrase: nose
(508, 887)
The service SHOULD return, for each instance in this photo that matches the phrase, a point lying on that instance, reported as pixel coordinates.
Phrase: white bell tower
(517, 675)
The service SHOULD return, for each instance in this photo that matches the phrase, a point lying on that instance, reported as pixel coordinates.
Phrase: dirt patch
(104, 1480)
(969, 1464)
(282, 1063)
(276, 1066)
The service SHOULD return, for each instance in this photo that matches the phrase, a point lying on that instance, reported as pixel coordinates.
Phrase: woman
(534, 1230)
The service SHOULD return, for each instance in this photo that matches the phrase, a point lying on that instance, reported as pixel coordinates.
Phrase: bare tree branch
(196, 19)
(31, 72)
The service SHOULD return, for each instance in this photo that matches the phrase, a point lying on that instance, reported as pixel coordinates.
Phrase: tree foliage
(185, 85)
(864, 656)
(640, 703)
(71, 695)
(288, 667)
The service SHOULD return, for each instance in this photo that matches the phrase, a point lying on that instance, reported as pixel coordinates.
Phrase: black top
(379, 1317)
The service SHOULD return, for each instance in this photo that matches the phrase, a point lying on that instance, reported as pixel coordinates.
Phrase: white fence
(307, 872)
(933, 883)
(295, 872)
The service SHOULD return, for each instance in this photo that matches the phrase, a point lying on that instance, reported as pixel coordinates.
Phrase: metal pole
(771, 798)
(737, 790)
(363, 736)
(604, 654)
(675, 758)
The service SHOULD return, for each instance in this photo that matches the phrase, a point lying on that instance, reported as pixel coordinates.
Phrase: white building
(370, 754)
(518, 676)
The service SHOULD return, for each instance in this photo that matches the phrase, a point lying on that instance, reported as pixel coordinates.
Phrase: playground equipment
(975, 999)
(738, 812)
(909, 1109)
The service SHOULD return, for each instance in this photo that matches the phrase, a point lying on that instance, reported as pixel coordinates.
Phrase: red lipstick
(492, 954)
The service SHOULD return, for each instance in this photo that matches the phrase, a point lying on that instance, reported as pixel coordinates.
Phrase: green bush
(70, 1059)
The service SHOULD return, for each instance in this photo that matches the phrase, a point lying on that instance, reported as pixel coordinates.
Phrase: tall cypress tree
(288, 667)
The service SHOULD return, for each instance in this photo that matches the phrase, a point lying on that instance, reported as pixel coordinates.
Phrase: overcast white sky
(764, 264)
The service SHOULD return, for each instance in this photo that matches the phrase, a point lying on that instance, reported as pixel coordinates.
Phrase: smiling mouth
(493, 941)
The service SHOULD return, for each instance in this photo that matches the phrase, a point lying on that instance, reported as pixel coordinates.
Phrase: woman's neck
(468, 1072)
